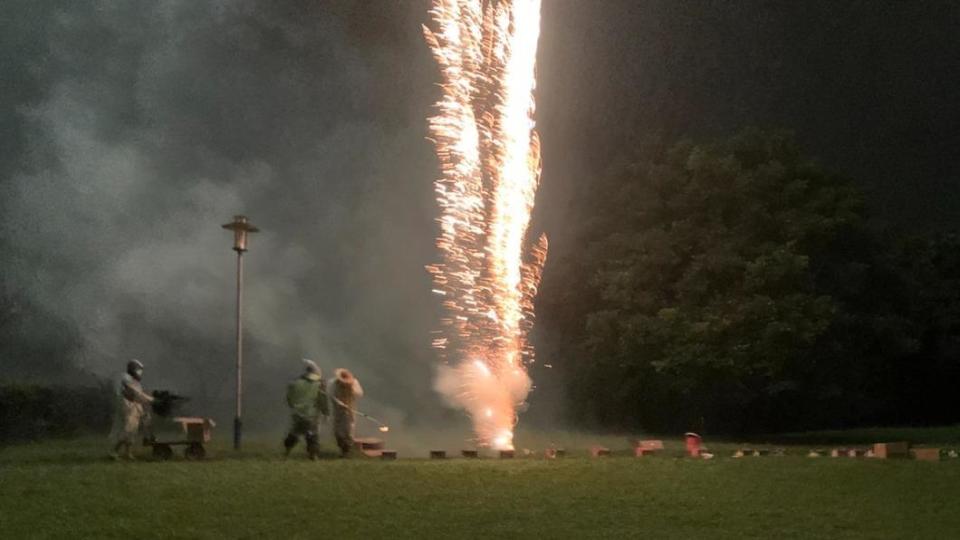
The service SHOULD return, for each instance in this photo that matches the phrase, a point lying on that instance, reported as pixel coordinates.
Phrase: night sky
(131, 130)
(869, 87)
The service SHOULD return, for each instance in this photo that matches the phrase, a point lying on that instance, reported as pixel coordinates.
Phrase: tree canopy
(732, 287)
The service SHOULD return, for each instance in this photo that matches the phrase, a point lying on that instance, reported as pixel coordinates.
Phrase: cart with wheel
(195, 431)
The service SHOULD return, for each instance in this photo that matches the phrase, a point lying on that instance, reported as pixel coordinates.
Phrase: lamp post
(240, 227)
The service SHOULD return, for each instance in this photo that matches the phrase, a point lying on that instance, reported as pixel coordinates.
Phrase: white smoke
(180, 115)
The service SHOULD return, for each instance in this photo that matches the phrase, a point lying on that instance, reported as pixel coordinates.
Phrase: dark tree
(729, 287)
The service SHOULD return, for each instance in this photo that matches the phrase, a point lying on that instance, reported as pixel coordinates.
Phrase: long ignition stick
(380, 425)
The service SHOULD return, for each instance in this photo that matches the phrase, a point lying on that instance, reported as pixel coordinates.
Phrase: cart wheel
(194, 451)
(162, 452)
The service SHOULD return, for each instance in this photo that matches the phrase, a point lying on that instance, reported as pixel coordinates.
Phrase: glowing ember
(489, 158)
(482, 368)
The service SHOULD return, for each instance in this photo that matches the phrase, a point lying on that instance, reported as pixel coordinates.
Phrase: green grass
(68, 489)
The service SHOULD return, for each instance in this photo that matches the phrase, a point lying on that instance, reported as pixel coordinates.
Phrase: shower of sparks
(489, 155)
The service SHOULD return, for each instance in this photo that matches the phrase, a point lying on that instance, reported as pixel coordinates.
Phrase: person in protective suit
(133, 413)
(345, 391)
(307, 401)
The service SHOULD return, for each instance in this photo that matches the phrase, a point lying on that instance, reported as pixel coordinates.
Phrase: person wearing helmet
(132, 417)
(308, 402)
(345, 390)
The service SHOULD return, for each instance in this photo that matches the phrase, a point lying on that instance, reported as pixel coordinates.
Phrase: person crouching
(308, 402)
(345, 391)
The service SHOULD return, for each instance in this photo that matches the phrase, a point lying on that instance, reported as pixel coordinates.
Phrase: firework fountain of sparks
(489, 154)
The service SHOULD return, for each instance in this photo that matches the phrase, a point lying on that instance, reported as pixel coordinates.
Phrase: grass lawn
(68, 489)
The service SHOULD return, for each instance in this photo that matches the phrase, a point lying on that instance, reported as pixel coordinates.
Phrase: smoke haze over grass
(160, 121)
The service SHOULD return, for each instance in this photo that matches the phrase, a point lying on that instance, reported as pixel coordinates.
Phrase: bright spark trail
(489, 155)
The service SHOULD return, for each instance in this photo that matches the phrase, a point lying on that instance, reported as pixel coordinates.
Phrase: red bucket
(693, 444)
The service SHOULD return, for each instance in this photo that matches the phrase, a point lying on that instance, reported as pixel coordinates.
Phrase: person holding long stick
(345, 390)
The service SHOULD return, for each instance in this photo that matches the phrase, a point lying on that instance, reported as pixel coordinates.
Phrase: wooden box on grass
(889, 450)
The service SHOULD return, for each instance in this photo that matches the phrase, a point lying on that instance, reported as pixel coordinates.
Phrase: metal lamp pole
(240, 227)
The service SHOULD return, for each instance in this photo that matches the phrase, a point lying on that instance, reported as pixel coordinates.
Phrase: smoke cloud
(159, 121)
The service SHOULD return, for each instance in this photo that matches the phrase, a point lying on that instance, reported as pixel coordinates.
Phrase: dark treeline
(32, 412)
(738, 287)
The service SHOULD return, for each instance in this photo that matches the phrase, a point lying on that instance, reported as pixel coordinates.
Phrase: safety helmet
(135, 369)
(344, 375)
(311, 370)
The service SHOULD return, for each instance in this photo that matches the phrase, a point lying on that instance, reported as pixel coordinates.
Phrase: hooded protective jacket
(307, 399)
(131, 412)
(345, 390)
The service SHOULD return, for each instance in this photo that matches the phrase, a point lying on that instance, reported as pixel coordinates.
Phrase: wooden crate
(196, 429)
(889, 450)
(647, 447)
(599, 451)
(926, 454)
